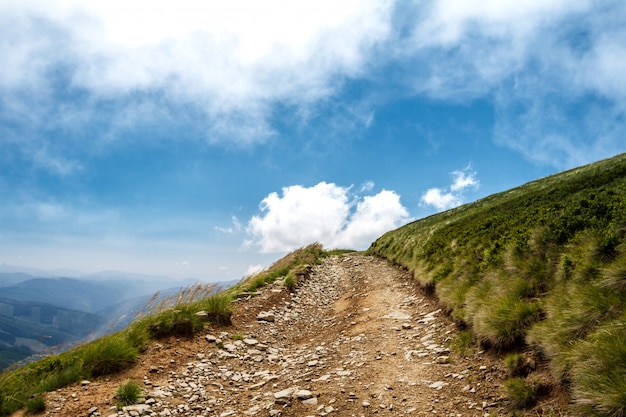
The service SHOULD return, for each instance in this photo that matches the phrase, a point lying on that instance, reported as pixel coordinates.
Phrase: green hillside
(539, 267)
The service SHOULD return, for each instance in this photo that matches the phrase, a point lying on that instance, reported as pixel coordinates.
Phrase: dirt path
(358, 338)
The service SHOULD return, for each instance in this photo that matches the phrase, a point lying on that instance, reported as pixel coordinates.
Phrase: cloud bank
(324, 213)
(552, 69)
(452, 196)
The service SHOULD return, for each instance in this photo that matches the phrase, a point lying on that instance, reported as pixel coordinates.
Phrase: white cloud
(463, 179)
(440, 199)
(232, 62)
(444, 199)
(234, 228)
(324, 213)
(253, 269)
(540, 62)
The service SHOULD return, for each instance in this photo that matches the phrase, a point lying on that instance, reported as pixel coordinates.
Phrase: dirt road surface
(357, 338)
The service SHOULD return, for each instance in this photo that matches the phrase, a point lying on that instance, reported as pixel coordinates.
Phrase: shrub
(520, 393)
(128, 393)
(35, 405)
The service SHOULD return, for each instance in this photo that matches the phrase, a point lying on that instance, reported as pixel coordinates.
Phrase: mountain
(11, 278)
(45, 314)
(27, 328)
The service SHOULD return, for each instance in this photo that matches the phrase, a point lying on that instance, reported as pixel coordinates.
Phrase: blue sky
(206, 139)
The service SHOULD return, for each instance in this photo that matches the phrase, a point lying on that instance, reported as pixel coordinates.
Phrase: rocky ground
(357, 338)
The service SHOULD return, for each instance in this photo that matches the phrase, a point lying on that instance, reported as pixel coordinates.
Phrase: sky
(208, 139)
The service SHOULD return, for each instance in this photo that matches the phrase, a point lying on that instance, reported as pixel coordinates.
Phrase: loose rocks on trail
(357, 338)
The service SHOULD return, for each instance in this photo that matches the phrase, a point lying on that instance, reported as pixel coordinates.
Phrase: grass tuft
(599, 371)
(35, 405)
(520, 393)
(108, 355)
(128, 393)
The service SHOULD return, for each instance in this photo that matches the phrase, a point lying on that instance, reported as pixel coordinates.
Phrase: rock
(284, 396)
(268, 316)
(141, 409)
(442, 360)
(203, 315)
(437, 385)
(310, 401)
(397, 315)
(304, 394)
(210, 338)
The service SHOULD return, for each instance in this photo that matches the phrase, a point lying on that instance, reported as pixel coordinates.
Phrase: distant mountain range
(42, 312)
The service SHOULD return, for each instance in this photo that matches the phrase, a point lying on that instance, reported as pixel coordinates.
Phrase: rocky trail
(357, 338)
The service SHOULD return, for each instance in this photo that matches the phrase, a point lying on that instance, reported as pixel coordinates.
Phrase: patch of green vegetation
(237, 336)
(175, 316)
(462, 343)
(35, 405)
(520, 393)
(290, 281)
(542, 265)
(127, 393)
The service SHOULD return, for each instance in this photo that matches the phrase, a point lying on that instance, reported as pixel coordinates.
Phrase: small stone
(92, 410)
(442, 360)
(266, 316)
(437, 385)
(397, 315)
(283, 397)
(210, 338)
(203, 315)
(304, 394)
(365, 404)
(310, 401)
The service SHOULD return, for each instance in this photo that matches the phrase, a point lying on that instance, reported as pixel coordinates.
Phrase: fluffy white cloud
(440, 199)
(325, 213)
(231, 59)
(447, 198)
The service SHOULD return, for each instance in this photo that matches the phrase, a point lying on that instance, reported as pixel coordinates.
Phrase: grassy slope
(542, 265)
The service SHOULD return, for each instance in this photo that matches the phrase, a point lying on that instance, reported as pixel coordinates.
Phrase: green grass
(520, 393)
(127, 393)
(599, 369)
(541, 266)
(171, 316)
(35, 405)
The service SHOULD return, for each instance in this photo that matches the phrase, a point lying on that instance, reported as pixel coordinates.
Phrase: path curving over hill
(357, 338)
